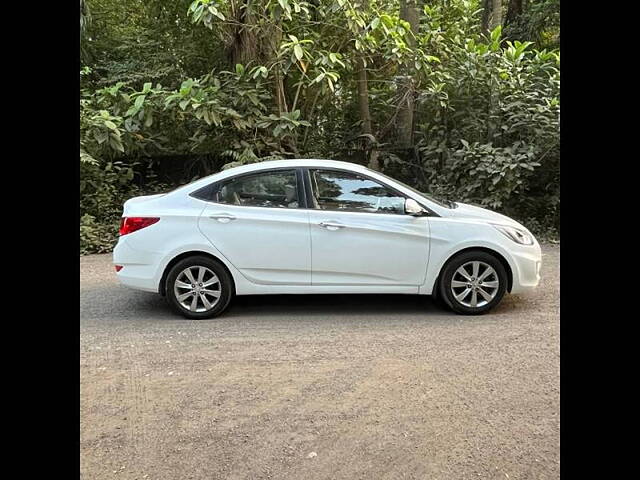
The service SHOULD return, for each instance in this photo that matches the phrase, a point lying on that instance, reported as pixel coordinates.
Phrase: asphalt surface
(318, 387)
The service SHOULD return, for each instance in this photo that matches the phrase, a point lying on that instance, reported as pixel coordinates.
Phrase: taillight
(118, 267)
(131, 224)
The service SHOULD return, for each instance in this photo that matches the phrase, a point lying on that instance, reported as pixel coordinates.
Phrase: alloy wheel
(474, 284)
(197, 289)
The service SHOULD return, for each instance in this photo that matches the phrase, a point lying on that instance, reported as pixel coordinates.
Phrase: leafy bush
(285, 79)
(97, 237)
(103, 191)
(491, 131)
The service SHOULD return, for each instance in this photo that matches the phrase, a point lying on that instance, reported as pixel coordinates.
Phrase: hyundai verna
(318, 226)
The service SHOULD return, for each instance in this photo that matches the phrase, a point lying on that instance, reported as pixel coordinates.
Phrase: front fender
(451, 238)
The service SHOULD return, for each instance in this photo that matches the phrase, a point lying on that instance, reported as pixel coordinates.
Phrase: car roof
(291, 163)
(266, 165)
(296, 162)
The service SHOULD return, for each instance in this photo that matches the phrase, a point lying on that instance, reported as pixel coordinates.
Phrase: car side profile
(318, 226)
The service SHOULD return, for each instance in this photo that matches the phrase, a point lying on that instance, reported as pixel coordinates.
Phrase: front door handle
(222, 217)
(331, 225)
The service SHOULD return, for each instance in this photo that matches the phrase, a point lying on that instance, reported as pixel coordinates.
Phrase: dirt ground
(318, 387)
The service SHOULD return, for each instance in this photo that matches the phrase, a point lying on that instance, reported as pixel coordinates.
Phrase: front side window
(336, 190)
(439, 201)
(269, 189)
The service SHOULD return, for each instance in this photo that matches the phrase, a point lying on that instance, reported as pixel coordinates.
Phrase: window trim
(430, 212)
(305, 201)
(215, 188)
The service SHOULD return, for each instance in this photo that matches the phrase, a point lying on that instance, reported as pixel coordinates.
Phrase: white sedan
(318, 226)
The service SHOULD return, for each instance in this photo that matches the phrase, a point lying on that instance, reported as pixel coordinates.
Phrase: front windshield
(442, 202)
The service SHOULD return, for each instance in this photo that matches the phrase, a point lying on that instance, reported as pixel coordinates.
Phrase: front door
(256, 223)
(360, 234)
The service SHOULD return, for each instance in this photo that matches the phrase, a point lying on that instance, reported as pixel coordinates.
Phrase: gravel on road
(318, 387)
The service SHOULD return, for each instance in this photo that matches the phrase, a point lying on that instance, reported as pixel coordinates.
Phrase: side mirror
(411, 207)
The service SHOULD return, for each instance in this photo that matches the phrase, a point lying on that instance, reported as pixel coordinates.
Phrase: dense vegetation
(457, 97)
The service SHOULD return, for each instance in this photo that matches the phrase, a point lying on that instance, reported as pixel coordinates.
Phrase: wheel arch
(191, 253)
(490, 251)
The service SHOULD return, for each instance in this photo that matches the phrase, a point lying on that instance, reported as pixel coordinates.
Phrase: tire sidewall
(221, 273)
(449, 270)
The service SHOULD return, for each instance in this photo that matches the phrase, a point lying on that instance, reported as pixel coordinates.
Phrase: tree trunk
(408, 12)
(496, 20)
(487, 5)
(275, 37)
(244, 44)
(365, 113)
(85, 20)
(363, 101)
(496, 14)
(363, 95)
(514, 10)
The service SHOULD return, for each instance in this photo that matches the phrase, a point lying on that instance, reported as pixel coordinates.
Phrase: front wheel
(198, 287)
(473, 283)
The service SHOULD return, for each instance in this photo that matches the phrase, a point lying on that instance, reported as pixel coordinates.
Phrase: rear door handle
(331, 225)
(222, 217)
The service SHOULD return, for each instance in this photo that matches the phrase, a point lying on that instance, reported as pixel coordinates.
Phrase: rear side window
(335, 190)
(205, 193)
(270, 189)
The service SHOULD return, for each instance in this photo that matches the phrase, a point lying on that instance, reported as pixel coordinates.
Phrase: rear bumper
(526, 269)
(139, 268)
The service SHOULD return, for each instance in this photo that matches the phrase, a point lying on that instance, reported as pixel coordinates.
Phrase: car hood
(464, 210)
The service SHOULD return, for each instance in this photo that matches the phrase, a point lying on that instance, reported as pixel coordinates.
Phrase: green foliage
(134, 42)
(103, 190)
(97, 237)
(491, 129)
(220, 83)
(539, 24)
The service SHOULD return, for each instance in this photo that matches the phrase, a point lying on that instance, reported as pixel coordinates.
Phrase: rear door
(257, 222)
(361, 235)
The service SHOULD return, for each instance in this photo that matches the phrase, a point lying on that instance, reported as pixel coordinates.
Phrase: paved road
(377, 387)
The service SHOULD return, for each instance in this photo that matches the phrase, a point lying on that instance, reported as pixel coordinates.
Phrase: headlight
(516, 234)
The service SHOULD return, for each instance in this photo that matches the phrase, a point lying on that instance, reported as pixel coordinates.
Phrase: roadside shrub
(489, 130)
(485, 129)
(103, 190)
(97, 237)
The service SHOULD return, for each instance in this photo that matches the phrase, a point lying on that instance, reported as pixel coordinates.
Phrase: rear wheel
(198, 287)
(473, 283)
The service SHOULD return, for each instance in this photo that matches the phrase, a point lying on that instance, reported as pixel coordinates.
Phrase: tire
(180, 290)
(489, 283)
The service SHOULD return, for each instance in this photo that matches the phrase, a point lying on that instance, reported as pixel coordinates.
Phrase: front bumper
(526, 269)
